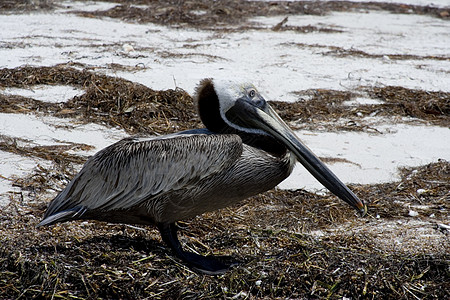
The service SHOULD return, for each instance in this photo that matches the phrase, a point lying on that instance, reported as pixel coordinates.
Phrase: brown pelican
(244, 150)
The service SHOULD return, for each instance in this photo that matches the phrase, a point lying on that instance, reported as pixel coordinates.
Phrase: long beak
(269, 121)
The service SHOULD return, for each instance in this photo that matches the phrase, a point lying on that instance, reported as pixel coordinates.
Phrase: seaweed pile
(270, 234)
(220, 14)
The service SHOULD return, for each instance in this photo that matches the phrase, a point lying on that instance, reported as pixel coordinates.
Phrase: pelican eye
(252, 93)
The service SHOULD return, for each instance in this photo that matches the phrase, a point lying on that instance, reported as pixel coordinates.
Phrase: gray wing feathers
(64, 215)
(134, 170)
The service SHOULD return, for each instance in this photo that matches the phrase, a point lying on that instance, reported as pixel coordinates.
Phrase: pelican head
(224, 104)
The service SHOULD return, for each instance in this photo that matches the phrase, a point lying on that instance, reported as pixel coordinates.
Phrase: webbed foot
(210, 265)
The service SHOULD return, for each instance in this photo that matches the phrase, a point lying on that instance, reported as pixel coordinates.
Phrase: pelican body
(244, 150)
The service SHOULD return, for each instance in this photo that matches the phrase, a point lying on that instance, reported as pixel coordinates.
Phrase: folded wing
(134, 170)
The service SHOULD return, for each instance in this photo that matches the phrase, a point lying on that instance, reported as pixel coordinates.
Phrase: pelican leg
(204, 264)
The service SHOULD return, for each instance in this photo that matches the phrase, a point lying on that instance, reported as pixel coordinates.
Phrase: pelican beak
(265, 118)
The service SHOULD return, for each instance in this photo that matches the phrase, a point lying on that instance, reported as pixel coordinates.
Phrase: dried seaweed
(107, 100)
(207, 14)
(139, 109)
(214, 15)
(26, 5)
(54, 153)
(415, 103)
(318, 105)
(269, 233)
(352, 52)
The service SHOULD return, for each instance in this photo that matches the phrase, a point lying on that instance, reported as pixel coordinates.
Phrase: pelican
(245, 149)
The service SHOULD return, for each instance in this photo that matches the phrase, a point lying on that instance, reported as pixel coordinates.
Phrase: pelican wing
(134, 170)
